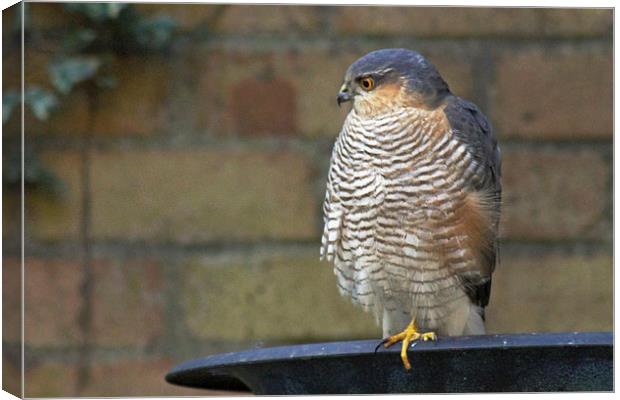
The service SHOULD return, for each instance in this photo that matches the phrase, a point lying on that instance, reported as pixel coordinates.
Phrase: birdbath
(467, 364)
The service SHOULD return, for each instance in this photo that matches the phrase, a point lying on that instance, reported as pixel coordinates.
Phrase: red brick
(36, 64)
(127, 302)
(11, 375)
(315, 75)
(51, 16)
(239, 19)
(11, 300)
(181, 195)
(50, 379)
(282, 19)
(263, 107)
(143, 377)
(456, 69)
(199, 195)
(577, 22)
(551, 293)
(553, 194)
(217, 73)
(248, 299)
(11, 80)
(71, 115)
(52, 302)
(554, 94)
(56, 216)
(11, 58)
(138, 104)
(187, 16)
(125, 377)
(472, 21)
(11, 217)
(9, 23)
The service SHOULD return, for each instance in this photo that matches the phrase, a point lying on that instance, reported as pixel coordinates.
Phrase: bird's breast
(410, 153)
(399, 181)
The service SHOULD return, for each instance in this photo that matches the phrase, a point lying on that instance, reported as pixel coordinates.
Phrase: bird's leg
(407, 336)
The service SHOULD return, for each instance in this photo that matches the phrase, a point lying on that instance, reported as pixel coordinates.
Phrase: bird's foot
(410, 334)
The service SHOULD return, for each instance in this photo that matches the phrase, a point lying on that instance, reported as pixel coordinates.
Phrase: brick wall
(206, 171)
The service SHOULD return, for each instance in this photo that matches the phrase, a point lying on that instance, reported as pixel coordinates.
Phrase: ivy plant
(85, 48)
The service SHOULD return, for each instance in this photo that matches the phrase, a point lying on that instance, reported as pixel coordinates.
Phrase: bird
(412, 201)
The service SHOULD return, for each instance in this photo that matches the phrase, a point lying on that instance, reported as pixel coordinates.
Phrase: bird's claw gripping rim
(410, 334)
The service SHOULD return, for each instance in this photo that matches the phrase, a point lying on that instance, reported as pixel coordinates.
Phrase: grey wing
(471, 127)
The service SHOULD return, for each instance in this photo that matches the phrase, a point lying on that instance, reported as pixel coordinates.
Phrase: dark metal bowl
(493, 363)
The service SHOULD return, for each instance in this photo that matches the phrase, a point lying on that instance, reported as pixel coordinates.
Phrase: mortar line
(123, 249)
(194, 141)
(85, 316)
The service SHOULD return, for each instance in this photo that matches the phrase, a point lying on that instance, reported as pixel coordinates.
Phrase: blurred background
(176, 157)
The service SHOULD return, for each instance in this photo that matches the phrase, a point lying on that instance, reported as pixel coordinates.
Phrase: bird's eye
(367, 83)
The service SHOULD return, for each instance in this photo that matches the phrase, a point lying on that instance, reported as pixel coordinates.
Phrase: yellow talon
(407, 336)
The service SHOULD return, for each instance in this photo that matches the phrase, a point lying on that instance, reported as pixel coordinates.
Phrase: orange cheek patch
(388, 92)
(393, 93)
(389, 96)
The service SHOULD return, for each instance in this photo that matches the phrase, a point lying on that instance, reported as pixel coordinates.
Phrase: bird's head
(388, 79)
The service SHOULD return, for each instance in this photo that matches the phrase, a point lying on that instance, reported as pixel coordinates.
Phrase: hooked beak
(344, 95)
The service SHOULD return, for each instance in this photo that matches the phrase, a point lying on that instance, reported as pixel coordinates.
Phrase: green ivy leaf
(99, 12)
(68, 73)
(41, 102)
(36, 175)
(106, 82)
(10, 98)
(154, 33)
(78, 39)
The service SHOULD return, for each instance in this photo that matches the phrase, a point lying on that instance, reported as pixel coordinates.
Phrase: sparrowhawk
(412, 204)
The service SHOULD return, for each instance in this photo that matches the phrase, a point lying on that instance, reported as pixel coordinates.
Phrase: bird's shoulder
(470, 126)
(467, 122)
(463, 113)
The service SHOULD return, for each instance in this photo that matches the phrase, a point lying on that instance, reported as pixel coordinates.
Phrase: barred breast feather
(411, 212)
